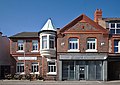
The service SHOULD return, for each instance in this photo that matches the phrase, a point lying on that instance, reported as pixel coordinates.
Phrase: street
(27, 82)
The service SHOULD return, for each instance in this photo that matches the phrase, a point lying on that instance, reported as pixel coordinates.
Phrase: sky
(30, 15)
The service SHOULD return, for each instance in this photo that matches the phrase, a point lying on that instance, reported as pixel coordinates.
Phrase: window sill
(35, 51)
(20, 51)
(48, 49)
(34, 73)
(89, 50)
(72, 50)
(52, 73)
(20, 73)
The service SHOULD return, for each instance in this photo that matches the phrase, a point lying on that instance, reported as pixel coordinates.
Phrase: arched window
(91, 44)
(73, 43)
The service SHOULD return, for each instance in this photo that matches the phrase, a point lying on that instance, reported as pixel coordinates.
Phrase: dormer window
(114, 28)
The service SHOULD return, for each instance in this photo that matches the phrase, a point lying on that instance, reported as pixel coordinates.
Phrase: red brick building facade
(82, 50)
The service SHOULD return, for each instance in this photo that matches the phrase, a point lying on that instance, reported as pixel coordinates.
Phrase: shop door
(81, 73)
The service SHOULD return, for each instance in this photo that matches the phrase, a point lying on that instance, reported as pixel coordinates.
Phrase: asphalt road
(26, 82)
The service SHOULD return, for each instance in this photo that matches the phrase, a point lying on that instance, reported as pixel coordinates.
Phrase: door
(82, 73)
(4, 71)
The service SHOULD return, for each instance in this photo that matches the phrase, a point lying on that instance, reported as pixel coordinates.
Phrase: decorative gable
(83, 24)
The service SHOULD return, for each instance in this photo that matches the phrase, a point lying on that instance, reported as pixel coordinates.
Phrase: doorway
(4, 71)
(81, 73)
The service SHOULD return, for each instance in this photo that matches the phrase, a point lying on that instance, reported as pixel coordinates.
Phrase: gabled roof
(83, 18)
(48, 26)
(25, 35)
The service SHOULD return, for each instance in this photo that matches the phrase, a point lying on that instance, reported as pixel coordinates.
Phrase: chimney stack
(97, 15)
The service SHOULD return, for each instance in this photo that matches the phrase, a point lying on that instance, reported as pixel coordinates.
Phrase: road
(26, 82)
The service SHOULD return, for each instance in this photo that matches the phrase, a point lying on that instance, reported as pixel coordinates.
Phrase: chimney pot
(97, 15)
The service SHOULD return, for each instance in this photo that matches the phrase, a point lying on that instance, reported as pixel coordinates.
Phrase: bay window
(44, 42)
(48, 42)
(51, 41)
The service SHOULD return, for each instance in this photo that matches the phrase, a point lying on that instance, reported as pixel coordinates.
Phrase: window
(73, 43)
(35, 45)
(20, 45)
(20, 67)
(116, 46)
(91, 44)
(51, 42)
(114, 28)
(34, 67)
(44, 42)
(51, 67)
(112, 25)
(118, 25)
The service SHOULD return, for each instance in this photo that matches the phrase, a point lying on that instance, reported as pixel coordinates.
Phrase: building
(113, 25)
(84, 56)
(6, 62)
(35, 52)
(84, 49)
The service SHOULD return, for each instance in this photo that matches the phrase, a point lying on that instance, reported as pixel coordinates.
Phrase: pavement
(38, 82)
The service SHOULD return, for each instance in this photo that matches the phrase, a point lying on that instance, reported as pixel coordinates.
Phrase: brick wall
(28, 46)
(62, 43)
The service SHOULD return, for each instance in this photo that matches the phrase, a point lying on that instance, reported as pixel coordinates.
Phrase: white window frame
(47, 41)
(73, 43)
(21, 44)
(53, 40)
(35, 44)
(34, 64)
(54, 67)
(118, 46)
(116, 28)
(19, 65)
(92, 42)
(44, 45)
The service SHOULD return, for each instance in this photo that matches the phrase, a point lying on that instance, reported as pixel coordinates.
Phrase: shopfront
(76, 67)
